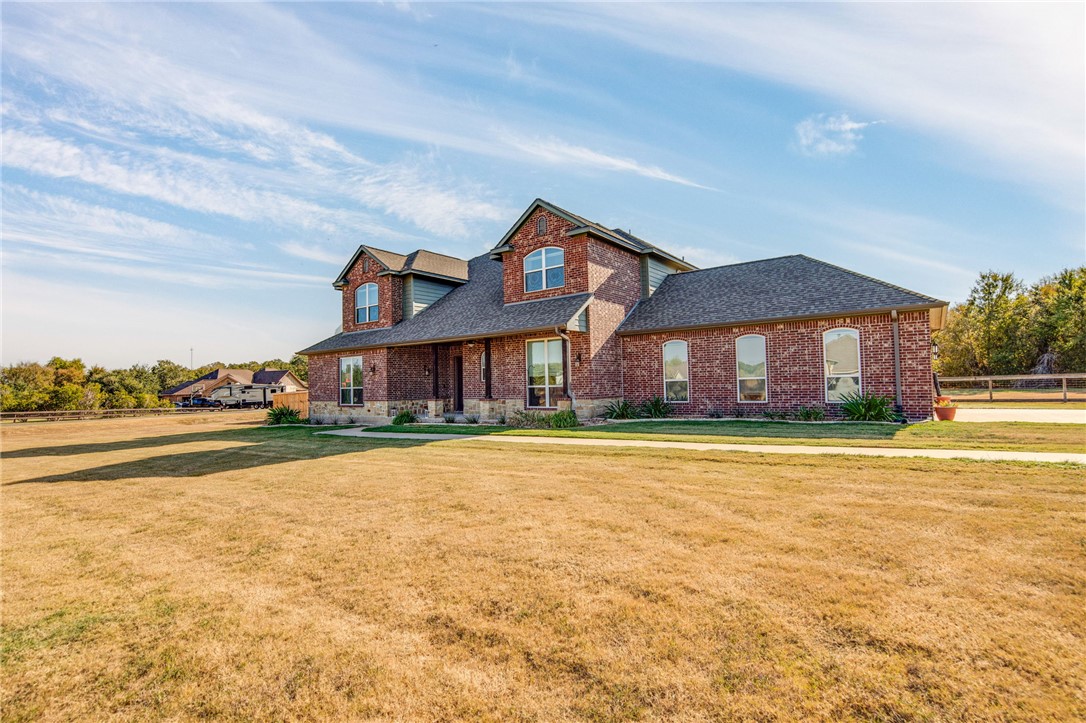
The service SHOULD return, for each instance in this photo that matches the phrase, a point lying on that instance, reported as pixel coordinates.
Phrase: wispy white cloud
(558, 152)
(829, 135)
(313, 253)
(1002, 79)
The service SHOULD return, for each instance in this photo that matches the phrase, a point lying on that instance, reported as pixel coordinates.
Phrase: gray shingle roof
(475, 309)
(781, 288)
(428, 262)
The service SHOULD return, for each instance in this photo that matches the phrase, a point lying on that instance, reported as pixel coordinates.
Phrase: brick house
(564, 312)
(205, 385)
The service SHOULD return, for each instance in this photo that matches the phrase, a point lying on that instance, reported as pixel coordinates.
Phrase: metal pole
(990, 390)
(1065, 389)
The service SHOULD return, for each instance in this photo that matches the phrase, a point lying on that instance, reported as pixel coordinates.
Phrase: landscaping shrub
(450, 418)
(811, 414)
(621, 409)
(529, 420)
(656, 408)
(715, 414)
(501, 419)
(775, 415)
(471, 419)
(564, 419)
(868, 407)
(406, 416)
(284, 415)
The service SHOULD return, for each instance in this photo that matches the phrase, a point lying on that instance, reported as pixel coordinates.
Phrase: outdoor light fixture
(578, 358)
(935, 350)
(426, 371)
(373, 368)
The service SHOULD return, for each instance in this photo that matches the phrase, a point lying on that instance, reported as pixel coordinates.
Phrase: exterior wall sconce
(373, 368)
(426, 371)
(935, 350)
(471, 344)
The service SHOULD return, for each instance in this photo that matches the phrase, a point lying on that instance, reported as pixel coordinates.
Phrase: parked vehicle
(203, 402)
(246, 396)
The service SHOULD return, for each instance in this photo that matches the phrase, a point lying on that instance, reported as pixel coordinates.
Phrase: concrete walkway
(1048, 416)
(980, 454)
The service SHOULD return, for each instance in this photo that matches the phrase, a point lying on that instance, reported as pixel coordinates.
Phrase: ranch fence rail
(1016, 387)
(76, 414)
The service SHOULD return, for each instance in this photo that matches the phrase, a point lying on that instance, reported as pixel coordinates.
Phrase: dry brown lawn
(201, 569)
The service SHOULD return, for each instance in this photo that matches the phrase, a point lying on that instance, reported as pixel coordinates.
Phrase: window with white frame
(676, 372)
(750, 365)
(350, 380)
(545, 269)
(545, 374)
(841, 351)
(365, 304)
(482, 367)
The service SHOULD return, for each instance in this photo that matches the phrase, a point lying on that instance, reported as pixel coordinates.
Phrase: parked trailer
(247, 396)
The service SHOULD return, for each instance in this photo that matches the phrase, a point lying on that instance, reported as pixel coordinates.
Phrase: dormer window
(541, 226)
(365, 304)
(545, 269)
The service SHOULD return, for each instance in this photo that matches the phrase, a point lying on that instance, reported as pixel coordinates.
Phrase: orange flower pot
(945, 414)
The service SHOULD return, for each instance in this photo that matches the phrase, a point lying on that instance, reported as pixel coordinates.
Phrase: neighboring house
(564, 312)
(203, 386)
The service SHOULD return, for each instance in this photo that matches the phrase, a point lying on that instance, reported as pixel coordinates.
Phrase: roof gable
(582, 225)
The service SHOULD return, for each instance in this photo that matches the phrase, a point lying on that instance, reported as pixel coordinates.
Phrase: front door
(458, 384)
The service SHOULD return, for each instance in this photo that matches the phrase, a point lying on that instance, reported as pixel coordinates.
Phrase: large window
(842, 354)
(545, 379)
(676, 372)
(350, 380)
(545, 269)
(751, 368)
(365, 304)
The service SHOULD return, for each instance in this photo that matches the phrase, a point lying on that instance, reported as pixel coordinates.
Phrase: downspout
(897, 360)
(569, 367)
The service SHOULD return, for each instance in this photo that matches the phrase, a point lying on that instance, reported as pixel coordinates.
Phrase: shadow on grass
(259, 447)
(771, 430)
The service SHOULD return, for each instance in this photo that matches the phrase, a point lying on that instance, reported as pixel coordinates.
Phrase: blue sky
(196, 175)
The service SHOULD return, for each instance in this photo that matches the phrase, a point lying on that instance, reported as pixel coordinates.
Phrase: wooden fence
(1016, 387)
(295, 400)
(76, 414)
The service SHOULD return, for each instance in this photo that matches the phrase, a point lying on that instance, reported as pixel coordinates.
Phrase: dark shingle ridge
(785, 287)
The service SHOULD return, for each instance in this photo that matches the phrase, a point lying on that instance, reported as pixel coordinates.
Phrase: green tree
(992, 332)
(299, 365)
(25, 387)
(170, 374)
(1060, 318)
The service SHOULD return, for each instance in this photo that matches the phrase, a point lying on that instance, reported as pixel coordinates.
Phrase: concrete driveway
(1050, 416)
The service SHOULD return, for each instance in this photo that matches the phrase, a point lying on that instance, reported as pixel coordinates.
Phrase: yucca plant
(528, 420)
(656, 408)
(284, 415)
(868, 407)
(621, 409)
(811, 414)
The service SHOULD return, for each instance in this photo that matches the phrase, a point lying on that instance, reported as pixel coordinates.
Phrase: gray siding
(420, 293)
(653, 273)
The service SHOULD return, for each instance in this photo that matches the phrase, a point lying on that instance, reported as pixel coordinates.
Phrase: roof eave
(784, 319)
(442, 340)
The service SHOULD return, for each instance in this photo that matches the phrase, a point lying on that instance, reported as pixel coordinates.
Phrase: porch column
(565, 368)
(488, 363)
(433, 370)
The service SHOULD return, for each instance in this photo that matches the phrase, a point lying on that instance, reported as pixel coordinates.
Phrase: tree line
(1006, 327)
(65, 384)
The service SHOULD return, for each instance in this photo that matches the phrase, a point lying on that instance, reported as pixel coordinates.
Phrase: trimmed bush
(868, 407)
(450, 418)
(406, 416)
(529, 420)
(811, 414)
(564, 419)
(471, 419)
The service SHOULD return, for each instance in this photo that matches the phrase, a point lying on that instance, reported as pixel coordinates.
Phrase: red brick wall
(795, 364)
(324, 375)
(389, 295)
(408, 380)
(525, 241)
(614, 278)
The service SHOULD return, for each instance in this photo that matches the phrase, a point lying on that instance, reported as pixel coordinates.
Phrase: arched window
(365, 304)
(676, 372)
(541, 226)
(841, 351)
(750, 368)
(545, 269)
